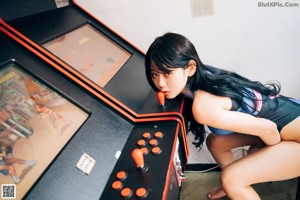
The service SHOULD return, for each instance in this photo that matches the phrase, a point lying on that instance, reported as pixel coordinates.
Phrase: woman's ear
(191, 68)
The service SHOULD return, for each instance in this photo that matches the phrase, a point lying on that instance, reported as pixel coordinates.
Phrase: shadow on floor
(197, 185)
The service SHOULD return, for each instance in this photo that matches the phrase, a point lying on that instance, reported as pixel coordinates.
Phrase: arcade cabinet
(77, 109)
(78, 113)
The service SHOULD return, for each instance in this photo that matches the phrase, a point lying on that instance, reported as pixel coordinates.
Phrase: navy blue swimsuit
(279, 109)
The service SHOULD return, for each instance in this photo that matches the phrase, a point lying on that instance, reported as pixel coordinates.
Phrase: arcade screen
(90, 52)
(36, 122)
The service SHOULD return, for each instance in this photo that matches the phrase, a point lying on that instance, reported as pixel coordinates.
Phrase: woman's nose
(161, 81)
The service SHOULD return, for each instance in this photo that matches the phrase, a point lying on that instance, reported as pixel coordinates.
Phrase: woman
(238, 111)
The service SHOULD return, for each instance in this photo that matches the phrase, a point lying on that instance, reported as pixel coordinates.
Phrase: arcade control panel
(149, 166)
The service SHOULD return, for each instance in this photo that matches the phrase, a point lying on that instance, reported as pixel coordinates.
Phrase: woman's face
(172, 83)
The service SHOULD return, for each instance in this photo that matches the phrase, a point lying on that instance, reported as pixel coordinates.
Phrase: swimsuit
(279, 109)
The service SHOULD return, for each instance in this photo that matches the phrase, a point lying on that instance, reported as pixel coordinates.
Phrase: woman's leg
(272, 163)
(291, 131)
(220, 148)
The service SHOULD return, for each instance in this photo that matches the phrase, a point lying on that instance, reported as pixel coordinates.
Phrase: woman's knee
(235, 186)
(229, 180)
(225, 178)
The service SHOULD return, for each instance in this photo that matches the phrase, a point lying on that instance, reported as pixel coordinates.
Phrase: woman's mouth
(166, 93)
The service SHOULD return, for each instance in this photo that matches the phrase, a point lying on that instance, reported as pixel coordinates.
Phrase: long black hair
(175, 51)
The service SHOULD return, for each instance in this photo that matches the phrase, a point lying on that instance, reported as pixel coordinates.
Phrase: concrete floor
(198, 184)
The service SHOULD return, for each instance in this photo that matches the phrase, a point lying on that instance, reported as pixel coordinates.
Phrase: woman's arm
(215, 111)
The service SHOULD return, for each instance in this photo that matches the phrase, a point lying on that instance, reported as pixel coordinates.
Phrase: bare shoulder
(206, 99)
(206, 104)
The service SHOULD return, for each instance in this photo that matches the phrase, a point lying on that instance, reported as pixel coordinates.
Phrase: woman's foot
(216, 193)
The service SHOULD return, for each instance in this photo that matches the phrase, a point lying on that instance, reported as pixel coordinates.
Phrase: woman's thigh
(271, 163)
(291, 131)
(228, 142)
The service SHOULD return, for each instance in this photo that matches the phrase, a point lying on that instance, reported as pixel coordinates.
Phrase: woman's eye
(153, 75)
(168, 74)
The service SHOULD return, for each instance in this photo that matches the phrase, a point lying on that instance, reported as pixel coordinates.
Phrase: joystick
(138, 158)
(161, 98)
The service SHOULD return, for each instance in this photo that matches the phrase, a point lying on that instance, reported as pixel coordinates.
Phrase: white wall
(261, 43)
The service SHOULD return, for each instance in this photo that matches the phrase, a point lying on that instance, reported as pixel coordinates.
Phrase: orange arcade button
(141, 143)
(146, 135)
(145, 150)
(156, 150)
(141, 192)
(117, 185)
(153, 142)
(126, 192)
(158, 134)
(121, 175)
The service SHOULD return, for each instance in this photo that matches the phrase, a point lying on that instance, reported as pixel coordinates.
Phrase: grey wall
(261, 43)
